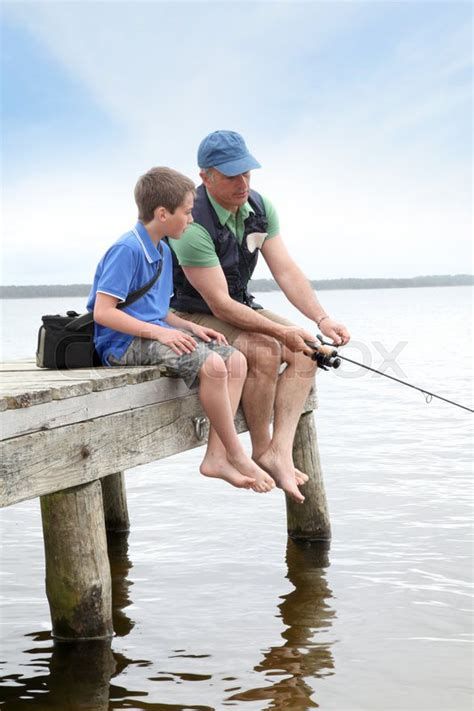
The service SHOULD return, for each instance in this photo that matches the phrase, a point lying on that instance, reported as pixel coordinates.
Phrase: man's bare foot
(283, 472)
(301, 477)
(248, 468)
(220, 468)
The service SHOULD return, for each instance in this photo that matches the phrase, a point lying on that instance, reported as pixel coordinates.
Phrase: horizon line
(269, 279)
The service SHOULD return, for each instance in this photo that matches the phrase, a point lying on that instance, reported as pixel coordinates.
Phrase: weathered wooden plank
(30, 377)
(14, 423)
(25, 367)
(59, 389)
(26, 380)
(114, 380)
(101, 379)
(9, 371)
(143, 374)
(16, 380)
(19, 398)
(137, 373)
(54, 413)
(26, 364)
(69, 456)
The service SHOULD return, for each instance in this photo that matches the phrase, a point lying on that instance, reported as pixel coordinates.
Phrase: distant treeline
(46, 290)
(374, 283)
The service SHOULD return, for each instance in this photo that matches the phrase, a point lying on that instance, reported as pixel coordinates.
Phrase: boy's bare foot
(283, 472)
(249, 468)
(221, 468)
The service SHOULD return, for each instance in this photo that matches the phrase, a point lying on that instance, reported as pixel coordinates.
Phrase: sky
(359, 112)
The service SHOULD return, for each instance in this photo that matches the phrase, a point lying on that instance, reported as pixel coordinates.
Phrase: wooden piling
(78, 582)
(114, 496)
(308, 521)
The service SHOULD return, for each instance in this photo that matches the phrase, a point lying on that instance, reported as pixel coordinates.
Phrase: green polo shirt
(196, 248)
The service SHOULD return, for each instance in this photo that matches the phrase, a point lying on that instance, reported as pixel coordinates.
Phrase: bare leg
(291, 392)
(220, 389)
(263, 355)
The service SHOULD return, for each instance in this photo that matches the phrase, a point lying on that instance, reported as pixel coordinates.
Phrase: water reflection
(77, 675)
(306, 613)
(120, 564)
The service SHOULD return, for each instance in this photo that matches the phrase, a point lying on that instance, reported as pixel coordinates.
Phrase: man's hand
(178, 341)
(337, 331)
(207, 334)
(295, 340)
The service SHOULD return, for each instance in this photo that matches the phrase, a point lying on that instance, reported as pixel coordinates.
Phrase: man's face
(177, 221)
(230, 192)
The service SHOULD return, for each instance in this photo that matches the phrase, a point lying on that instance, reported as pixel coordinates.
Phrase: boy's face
(177, 221)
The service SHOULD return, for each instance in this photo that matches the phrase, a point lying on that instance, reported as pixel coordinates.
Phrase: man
(214, 261)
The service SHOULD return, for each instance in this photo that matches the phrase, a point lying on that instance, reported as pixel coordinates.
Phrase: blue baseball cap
(226, 151)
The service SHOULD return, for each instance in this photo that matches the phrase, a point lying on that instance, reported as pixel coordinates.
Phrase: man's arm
(298, 290)
(211, 283)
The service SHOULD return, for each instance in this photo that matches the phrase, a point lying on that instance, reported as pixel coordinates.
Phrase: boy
(147, 333)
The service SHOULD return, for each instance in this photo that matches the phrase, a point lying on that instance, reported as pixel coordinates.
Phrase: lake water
(215, 609)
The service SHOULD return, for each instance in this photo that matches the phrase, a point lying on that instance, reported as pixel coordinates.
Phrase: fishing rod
(327, 357)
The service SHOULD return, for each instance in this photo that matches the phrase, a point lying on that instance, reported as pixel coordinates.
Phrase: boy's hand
(178, 341)
(207, 334)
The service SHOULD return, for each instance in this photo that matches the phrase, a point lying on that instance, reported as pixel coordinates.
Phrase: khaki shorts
(229, 331)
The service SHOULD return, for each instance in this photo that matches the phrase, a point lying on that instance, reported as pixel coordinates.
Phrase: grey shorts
(144, 351)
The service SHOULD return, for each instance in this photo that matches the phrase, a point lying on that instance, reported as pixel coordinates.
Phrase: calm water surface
(214, 608)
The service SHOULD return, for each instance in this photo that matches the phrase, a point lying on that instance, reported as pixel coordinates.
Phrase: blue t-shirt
(127, 266)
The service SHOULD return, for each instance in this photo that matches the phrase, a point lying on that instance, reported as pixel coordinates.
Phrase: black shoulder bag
(66, 342)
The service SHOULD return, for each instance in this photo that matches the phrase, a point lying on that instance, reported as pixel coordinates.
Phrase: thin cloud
(359, 138)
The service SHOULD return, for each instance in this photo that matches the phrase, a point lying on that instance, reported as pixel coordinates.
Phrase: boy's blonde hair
(161, 187)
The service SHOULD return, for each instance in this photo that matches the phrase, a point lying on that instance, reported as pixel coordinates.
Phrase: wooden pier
(68, 436)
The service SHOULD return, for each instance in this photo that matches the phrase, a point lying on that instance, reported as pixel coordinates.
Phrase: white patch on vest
(255, 240)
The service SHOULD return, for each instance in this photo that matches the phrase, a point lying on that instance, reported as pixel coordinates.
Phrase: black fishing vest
(236, 260)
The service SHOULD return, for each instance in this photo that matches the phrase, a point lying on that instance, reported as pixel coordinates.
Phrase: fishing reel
(324, 354)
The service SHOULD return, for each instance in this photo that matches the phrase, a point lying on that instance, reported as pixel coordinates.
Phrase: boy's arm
(107, 314)
(203, 332)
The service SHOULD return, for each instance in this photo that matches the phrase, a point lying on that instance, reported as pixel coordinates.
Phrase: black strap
(135, 295)
(87, 318)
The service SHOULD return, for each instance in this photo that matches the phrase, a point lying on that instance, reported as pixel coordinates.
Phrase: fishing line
(327, 360)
